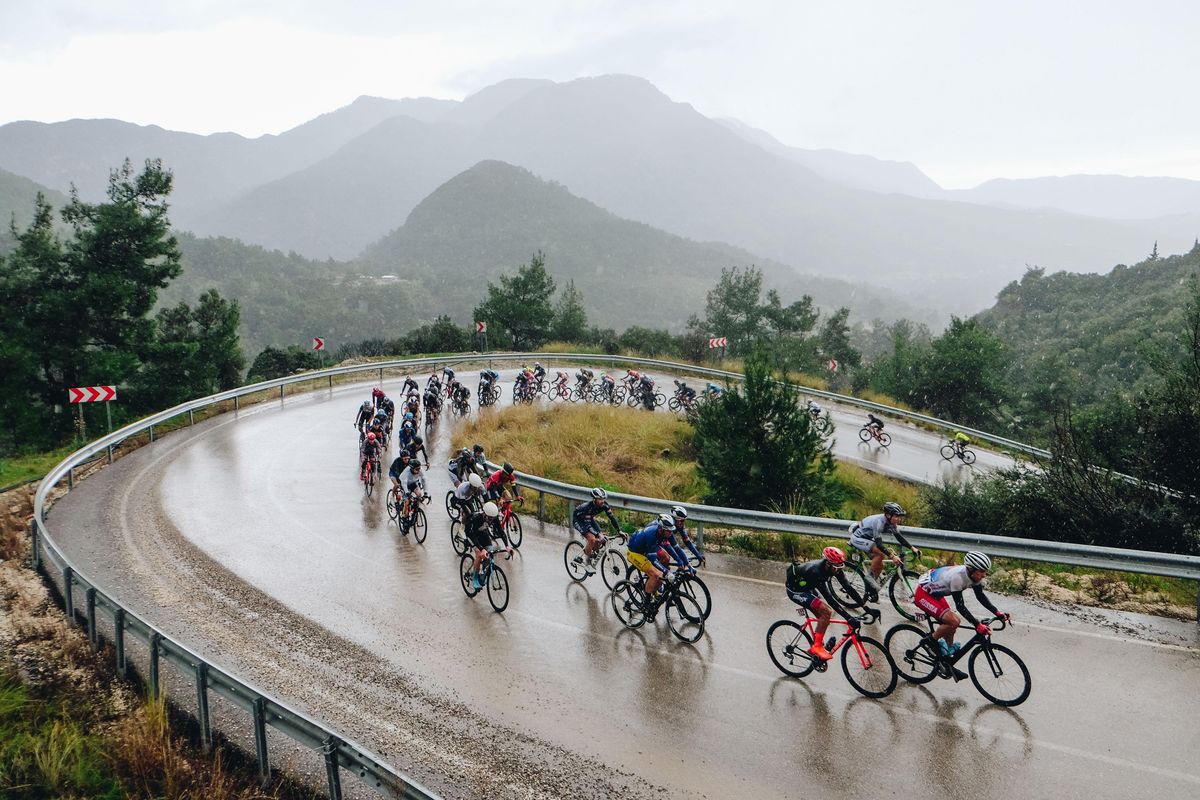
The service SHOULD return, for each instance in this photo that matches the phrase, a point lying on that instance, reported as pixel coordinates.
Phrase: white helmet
(491, 510)
(977, 560)
(679, 512)
(475, 480)
(666, 521)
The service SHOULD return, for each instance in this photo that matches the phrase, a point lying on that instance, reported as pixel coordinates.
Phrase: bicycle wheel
(613, 567)
(458, 538)
(633, 399)
(673, 404)
(464, 575)
(393, 511)
(885, 439)
(513, 528)
(864, 434)
(692, 586)
(497, 589)
(659, 399)
(420, 526)
(910, 653)
(628, 602)
(824, 426)
(857, 579)
(684, 618)
(968, 456)
(574, 561)
(787, 644)
(451, 511)
(999, 674)
(901, 589)
(947, 452)
(870, 670)
(369, 483)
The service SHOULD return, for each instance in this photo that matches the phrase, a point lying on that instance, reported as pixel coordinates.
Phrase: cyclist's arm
(900, 538)
(612, 518)
(677, 554)
(829, 597)
(984, 601)
(498, 532)
(691, 545)
(961, 605)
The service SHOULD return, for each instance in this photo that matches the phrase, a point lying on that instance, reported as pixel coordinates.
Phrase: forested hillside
(1086, 336)
(17, 196)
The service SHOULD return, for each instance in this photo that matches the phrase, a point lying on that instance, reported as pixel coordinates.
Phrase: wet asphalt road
(270, 494)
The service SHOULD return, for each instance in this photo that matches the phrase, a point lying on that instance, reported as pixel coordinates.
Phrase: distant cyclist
(366, 413)
(410, 386)
(874, 423)
(411, 484)
(498, 482)
(482, 529)
(960, 442)
(583, 520)
(808, 586)
(368, 452)
(934, 586)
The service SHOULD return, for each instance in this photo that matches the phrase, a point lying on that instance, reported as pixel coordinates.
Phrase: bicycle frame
(976, 640)
(810, 627)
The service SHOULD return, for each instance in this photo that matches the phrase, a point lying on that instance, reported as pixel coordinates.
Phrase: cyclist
(368, 452)
(434, 383)
(679, 514)
(874, 424)
(584, 521)
(482, 529)
(410, 386)
(416, 448)
(650, 551)
(412, 405)
(867, 536)
(399, 465)
(467, 495)
(608, 384)
(583, 378)
(960, 441)
(807, 586)
(412, 487)
(560, 383)
(684, 393)
(448, 373)
(713, 390)
(408, 429)
(378, 428)
(377, 395)
(935, 585)
(366, 413)
(646, 391)
(813, 408)
(498, 482)
(432, 401)
(462, 396)
(480, 458)
(459, 466)
(539, 372)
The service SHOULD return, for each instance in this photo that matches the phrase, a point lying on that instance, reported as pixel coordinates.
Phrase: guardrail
(338, 751)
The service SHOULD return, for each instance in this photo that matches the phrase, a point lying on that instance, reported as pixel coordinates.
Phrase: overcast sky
(965, 90)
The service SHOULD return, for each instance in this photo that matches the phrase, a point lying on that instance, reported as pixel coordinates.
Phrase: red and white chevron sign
(318, 343)
(92, 394)
(718, 342)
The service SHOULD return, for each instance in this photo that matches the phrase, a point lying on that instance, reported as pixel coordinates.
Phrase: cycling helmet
(370, 437)
(478, 449)
(491, 509)
(679, 512)
(835, 557)
(415, 466)
(978, 560)
(475, 480)
(599, 494)
(894, 508)
(408, 415)
(508, 468)
(666, 521)
(464, 453)
(418, 440)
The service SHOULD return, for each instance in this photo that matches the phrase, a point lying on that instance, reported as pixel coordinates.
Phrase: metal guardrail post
(70, 479)
(280, 392)
(260, 740)
(90, 596)
(110, 453)
(69, 594)
(330, 749)
(237, 402)
(381, 376)
(541, 512)
(330, 381)
(202, 706)
(570, 511)
(700, 534)
(35, 558)
(155, 640)
(191, 418)
(151, 431)
(119, 641)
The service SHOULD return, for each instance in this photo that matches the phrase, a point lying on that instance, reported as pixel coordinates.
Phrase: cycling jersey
(409, 481)
(657, 545)
(934, 586)
(409, 386)
(875, 421)
(804, 582)
(499, 479)
(465, 491)
(482, 531)
(868, 534)
(584, 518)
(365, 414)
(370, 450)
(399, 465)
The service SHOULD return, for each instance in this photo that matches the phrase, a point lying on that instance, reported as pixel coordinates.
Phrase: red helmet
(370, 437)
(835, 557)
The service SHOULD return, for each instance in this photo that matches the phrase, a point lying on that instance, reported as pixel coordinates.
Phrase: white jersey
(464, 491)
(408, 481)
(947, 580)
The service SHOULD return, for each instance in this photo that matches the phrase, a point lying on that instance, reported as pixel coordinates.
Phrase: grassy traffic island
(630, 451)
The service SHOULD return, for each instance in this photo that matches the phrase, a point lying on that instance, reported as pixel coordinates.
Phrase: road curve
(248, 538)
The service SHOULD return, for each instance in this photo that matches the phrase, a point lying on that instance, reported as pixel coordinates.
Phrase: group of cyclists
(660, 545)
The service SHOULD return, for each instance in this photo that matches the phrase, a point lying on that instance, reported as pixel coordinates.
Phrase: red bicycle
(369, 475)
(870, 670)
(510, 521)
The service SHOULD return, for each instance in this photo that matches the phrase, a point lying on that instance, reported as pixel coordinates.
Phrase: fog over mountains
(340, 183)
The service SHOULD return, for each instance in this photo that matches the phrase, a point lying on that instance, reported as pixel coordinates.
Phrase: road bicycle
(823, 425)
(608, 557)
(410, 519)
(369, 475)
(682, 402)
(559, 391)
(869, 432)
(452, 510)
(610, 393)
(491, 575)
(461, 407)
(950, 452)
(635, 609)
(997, 672)
(523, 394)
(690, 584)
(870, 669)
(900, 580)
(509, 520)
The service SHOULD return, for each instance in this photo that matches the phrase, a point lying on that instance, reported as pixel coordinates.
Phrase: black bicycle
(608, 559)
(997, 672)
(951, 451)
(900, 580)
(634, 608)
(490, 575)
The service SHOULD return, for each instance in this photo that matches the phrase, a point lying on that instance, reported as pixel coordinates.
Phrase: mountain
(1110, 196)
(17, 197)
(846, 169)
(494, 216)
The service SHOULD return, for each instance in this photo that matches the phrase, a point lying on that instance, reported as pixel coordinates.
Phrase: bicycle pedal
(822, 665)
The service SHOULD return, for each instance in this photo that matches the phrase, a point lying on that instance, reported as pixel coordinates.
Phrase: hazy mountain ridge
(494, 216)
(1108, 196)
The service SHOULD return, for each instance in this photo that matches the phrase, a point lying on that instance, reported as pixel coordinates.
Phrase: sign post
(92, 394)
(319, 346)
(719, 341)
(481, 331)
